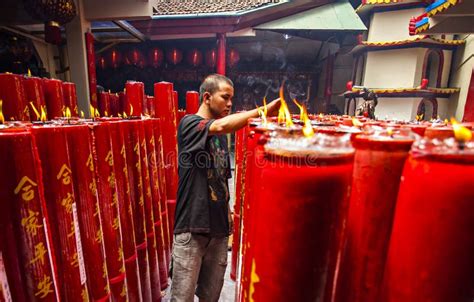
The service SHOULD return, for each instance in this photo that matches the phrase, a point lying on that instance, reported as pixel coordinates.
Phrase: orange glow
(307, 128)
(2, 118)
(91, 110)
(419, 117)
(38, 115)
(356, 122)
(67, 113)
(284, 114)
(43, 116)
(461, 133)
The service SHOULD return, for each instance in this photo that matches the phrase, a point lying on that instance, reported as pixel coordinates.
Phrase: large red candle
(104, 103)
(70, 98)
(62, 210)
(430, 257)
(131, 130)
(122, 102)
(114, 104)
(149, 211)
(134, 101)
(155, 191)
(54, 96)
(125, 210)
(25, 247)
(34, 94)
(87, 202)
(176, 106)
(378, 165)
(297, 211)
(109, 209)
(166, 110)
(192, 102)
(150, 102)
(12, 94)
(165, 218)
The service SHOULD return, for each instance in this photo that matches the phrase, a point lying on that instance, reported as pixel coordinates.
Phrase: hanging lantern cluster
(53, 13)
(154, 57)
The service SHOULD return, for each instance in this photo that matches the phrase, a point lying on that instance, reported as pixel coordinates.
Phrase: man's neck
(204, 112)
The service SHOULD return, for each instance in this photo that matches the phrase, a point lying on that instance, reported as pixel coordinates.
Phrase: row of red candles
(93, 198)
(382, 223)
(24, 97)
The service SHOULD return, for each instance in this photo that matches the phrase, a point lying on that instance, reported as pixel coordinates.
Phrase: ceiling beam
(131, 30)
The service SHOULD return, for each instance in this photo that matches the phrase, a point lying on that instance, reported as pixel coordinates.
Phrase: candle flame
(461, 133)
(82, 114)
(119, 115)
(91, 110)
(2, 118)
(106, 113)
(262, 112)
(125, 115)
(284, 114)
(307, 128)
(96, 113)
(38, 115)
(301, 109)
(131, 110)
(29, 72)
(356, 122)
(67, 113)
(43, 116)
(419, 117)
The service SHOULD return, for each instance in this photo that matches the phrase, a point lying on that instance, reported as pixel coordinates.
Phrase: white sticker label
(80, 256)
(4, 282)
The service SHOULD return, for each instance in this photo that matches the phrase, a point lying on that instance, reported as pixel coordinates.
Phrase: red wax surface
(134, 166)
(430, 257)
(62, 210)
(23, 221)
(181, 114)
(171, 204)
(166, 110)
(149, 212)
(125, 209)
(150, 102)
(54, 97)
(114, 104)
(165, 219)
(176, 106)
(297, 212)
(192, 102)
(156, 205)
(12, 93)
(109, 211)
(417, 128)
(439, 132)
(104, 103)
(122, 102)
(35, 94)
(378, 167)
(134, 101)
(85, 189)
(70, 98)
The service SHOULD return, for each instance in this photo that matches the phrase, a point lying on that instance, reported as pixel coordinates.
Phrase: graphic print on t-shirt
(217, 177)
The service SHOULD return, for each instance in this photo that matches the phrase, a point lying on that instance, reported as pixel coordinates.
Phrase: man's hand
(273, 107)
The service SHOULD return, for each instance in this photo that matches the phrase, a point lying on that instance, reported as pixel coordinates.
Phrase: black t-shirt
(204, 170)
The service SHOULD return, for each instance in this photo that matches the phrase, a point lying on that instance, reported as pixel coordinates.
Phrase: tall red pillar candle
(91, 68)
(122, 102)
(134, 101)
(12, 94)
(125, 210)
(109, 211)
(378, 165)
(192, 102)
(87, 202)
(181, 114)
(132, 148)
(149, 213)
(431, 246)
(150, 101)
(70, 98)
(54, 97)
(155, 192)
(303, 185)
(165, 219)
(34, 94)
(114, 105)
(26, 252)
(166, 110)
(104, 103)
(221, 50)
(62, 210)
(176, 106)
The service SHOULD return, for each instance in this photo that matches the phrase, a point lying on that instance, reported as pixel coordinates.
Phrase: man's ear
(206, 97)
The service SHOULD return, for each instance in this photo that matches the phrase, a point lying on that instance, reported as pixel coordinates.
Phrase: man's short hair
(211, 84)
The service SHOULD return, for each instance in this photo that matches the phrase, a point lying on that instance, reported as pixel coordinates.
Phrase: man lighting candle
(202, 220)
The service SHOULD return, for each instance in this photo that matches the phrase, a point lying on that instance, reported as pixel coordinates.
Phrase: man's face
(220, 102)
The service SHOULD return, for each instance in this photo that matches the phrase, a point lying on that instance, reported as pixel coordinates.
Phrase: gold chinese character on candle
(44, 287)
(30, 223)
(64, 174)
(25, 186)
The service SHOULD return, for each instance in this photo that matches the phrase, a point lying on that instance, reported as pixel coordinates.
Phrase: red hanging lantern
(114, 58)
(135, 57)
(194, 57)
(174, 56)
(101, 62)
(211, 58)
(233, 57)
(155, 57)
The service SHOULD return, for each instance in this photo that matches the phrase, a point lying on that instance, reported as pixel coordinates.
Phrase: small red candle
(131, 130)
(150, 102)
(25, 249)
(122, 102)
(166, 110)
(125, 209)
(378, 166)
(181, 114)
(62, 210)
(70, 98)
(155, 192)
(430, 257)
(114, 104)
(135, 94)
(34, 94)
(85, 189)
(109, 209)
(104, 103)
(12, 94)
(192, 102)
(54, 96)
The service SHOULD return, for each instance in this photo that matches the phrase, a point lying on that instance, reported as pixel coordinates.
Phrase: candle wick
(461, 145)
